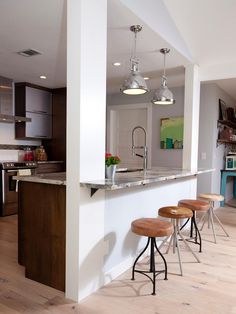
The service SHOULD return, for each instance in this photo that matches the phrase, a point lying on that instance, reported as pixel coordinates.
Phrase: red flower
(111, 160)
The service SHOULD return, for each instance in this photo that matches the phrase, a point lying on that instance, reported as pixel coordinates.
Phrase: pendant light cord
(164, 72)
(135, 44)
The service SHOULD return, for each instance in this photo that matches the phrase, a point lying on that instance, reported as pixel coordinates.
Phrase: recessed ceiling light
(116, 64)
(43, 77)
(146, 78)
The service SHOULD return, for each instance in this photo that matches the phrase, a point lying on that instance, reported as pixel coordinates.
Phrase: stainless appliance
(8, 193)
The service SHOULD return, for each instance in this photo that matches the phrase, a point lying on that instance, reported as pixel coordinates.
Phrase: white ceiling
(41, 25)
(207, 27)
(37, 24)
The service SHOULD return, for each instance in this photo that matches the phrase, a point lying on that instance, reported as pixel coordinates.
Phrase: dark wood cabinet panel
(42, 228)
(56, 147)
(34, 102)
(49, 167)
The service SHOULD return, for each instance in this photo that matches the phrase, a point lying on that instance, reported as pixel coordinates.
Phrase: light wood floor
(208, 287)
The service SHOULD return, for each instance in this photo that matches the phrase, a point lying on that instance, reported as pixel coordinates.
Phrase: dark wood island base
(41, 232)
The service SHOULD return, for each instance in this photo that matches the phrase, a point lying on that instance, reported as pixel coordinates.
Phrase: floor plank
(206, 287)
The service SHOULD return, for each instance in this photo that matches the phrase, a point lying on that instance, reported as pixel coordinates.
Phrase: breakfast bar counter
(122, 180)
(139, 178)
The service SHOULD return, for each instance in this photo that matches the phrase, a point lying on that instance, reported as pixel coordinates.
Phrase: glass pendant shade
(135, 83)
(163, 96)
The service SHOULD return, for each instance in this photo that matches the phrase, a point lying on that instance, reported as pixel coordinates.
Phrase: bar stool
(151, 228)
(211, 198)
(195, 206)
(176, 213)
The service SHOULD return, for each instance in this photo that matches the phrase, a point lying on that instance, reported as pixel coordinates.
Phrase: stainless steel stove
(8, 193)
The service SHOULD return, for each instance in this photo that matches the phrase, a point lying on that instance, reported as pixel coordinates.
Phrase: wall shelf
(227, 123)
(226, 142)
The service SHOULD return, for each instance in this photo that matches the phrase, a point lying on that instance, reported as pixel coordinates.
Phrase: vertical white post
(191, 117)
(86, 107)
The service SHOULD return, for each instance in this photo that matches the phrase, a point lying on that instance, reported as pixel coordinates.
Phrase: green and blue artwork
(172, 132)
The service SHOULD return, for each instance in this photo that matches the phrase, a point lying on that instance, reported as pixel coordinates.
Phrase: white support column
(86, 107)
(191, 117)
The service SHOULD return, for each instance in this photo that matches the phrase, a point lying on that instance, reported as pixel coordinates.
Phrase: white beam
(191, 117)
(218, 71)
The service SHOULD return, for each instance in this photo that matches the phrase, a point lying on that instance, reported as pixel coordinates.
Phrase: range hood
(7, 101)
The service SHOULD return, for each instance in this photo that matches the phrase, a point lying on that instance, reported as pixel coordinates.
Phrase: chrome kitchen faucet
(144, 147)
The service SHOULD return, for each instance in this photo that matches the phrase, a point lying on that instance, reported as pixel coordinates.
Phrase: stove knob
(12, 165)
(7, 164)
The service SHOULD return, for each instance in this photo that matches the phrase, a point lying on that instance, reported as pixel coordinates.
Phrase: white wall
(7, 136)
(208, 134)
(160, 157)
(123, 206)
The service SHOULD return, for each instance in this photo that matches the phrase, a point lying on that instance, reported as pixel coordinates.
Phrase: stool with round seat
(176, 213)
(151, 228)
(210, 214)
(195, 206)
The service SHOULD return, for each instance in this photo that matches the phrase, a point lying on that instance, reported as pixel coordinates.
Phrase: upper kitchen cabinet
(34, 102)
(38, 101)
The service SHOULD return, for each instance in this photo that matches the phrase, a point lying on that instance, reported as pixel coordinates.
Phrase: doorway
(121, 120)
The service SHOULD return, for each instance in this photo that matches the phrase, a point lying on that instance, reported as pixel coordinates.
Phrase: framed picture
(172, 131)
(222, 110)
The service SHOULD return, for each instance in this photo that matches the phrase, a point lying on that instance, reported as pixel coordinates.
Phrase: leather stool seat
(175, 212)
(195, 205)
(152, 227)
(212, 197)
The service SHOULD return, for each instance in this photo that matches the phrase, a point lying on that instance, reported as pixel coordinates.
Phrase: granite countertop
(122, 180)
(57, 178)
(138, 178)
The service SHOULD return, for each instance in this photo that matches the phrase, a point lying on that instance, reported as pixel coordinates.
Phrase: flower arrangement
(111, 160)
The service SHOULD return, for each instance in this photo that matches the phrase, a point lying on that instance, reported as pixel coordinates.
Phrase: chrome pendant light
(135, 83)
(163, 96)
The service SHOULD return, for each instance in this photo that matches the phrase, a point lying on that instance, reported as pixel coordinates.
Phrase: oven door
(9, 194)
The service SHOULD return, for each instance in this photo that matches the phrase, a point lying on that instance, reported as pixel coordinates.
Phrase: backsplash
(10, 152)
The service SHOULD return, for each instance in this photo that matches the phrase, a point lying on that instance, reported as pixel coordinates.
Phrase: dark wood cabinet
(34, 102)
(41, 232)
(49, 167)
(56, 147)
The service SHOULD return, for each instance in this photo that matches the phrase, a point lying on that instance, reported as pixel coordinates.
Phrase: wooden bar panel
(42, 221)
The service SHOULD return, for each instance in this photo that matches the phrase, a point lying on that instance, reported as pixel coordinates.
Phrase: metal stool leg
(220, 223)
(205, 217)
(198, 235)
(152, 269)
(171, 240)
(152, 266)
(162, 259)
(212, 223)
(135, 262)
(164, 242)
(186, 244)
(177, 243)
